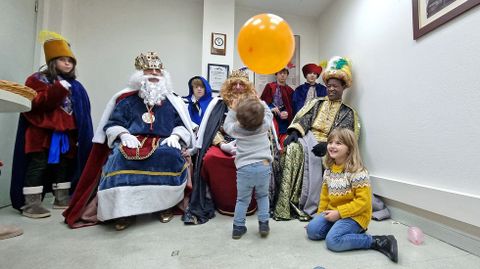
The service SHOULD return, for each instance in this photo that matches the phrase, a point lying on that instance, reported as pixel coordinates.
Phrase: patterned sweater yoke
(349, 193)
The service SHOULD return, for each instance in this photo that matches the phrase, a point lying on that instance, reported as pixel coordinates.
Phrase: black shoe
(238, 231)
(263, 228)
(386, 244)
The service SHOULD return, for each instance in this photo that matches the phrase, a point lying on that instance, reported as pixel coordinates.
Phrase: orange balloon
(266, 43)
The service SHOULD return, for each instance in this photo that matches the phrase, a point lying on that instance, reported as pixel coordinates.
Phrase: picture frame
(216, 76)
(430, 14)
(218, 44)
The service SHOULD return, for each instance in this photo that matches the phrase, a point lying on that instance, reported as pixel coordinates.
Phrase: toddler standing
(249, 121)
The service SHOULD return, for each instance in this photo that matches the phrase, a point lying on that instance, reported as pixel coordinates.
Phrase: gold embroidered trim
(137, 157)
(325, 119)
(148, 173)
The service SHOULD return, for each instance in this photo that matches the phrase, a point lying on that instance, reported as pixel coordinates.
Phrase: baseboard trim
(459, 234)
(455, 205)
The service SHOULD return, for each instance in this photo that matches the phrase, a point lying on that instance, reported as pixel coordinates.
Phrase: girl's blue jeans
(341, 235)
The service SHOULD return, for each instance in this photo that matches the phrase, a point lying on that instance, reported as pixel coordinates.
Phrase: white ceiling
(309, 8)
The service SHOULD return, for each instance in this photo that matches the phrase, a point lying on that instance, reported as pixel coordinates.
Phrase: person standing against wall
(55, 137)
(278, 96)
(310, 89)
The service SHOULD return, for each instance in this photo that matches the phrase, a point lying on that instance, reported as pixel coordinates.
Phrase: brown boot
(9, 231)
(33, 207)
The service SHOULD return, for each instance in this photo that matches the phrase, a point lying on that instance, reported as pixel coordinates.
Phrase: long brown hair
(51, 72)
(353, 162)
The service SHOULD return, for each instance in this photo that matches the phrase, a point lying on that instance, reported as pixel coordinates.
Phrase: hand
(284, 115)
(331, 215)
(172, 141)
(229, 148)
(234, 104)
(65, 84)
(185, 153)
(129, 141)
(320, 149)
(276, 111)
(292, 137)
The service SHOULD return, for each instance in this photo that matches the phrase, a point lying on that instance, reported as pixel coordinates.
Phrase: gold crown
(240, 74)
(149, 60)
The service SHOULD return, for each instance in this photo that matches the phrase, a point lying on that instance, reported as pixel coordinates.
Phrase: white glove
(229, 148)
(65, 84)
(172, 141)
(129, 141)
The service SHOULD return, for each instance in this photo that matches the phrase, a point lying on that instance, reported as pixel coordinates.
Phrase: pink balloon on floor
(415, 235)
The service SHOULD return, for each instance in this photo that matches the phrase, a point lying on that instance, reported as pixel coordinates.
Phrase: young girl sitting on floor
(345, 207)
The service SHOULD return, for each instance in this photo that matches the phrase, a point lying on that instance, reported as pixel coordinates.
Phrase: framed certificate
(217, 74)
(219, 42)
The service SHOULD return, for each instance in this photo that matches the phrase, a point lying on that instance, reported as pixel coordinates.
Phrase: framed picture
(293, 66)
(430, 14)
(219, 43)
(217, 74)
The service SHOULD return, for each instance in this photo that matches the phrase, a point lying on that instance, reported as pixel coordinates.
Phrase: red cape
(87, 186)
(287, 95)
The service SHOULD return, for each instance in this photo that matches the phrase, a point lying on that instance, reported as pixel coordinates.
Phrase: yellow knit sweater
(349, 193)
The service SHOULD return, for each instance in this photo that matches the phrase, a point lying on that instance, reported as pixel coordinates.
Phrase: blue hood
(203, 102)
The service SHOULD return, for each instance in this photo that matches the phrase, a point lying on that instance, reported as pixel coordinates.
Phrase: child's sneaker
(238, 231)
(263, 228)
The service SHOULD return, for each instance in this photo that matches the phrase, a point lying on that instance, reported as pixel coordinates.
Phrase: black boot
(263, 228)
(386, 244)
(238, 231)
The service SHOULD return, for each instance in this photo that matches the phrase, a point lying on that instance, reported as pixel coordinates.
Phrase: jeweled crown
(149, 60)
(241, 74)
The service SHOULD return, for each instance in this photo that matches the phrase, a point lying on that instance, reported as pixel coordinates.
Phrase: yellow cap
(54, 45)
(55, 48)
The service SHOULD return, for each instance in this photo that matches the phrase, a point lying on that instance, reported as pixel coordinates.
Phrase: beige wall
(17, 35)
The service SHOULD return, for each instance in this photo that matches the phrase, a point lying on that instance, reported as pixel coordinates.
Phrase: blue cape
(83, 120)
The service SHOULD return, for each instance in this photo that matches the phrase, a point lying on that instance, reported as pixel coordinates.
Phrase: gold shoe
(166, 216)
(123, 223)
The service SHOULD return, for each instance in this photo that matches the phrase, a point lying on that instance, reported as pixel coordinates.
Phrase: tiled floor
(48, 243)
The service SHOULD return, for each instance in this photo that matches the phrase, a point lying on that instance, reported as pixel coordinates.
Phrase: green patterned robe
(291, 186)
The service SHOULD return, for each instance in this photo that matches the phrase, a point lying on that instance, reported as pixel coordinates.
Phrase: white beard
(152, 93)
